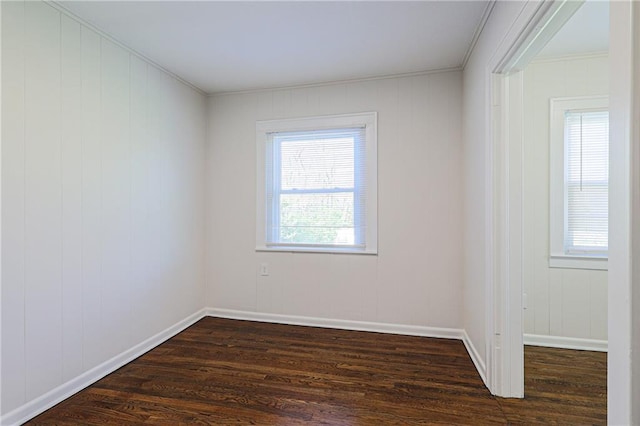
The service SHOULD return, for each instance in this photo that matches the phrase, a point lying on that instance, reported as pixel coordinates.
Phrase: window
(579, 182)
(317, 184)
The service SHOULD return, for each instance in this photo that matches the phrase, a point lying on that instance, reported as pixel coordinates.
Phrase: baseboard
(566, 342)
(377, 327)
(64, 391)
(409, 330)
(475, 357)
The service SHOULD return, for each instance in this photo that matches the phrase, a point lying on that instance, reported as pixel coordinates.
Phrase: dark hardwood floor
(239, 372)
(562, 386)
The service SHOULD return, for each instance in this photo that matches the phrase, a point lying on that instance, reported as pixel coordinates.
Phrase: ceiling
(237, 45)
(585, 32)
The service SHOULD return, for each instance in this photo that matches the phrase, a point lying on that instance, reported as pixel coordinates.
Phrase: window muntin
(317, 184)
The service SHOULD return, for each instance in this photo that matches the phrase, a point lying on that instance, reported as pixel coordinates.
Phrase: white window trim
(557, 258)
(579, 262)
(369, 121)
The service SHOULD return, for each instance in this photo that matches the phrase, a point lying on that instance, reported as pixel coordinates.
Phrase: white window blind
(315, 188)
(586, 182)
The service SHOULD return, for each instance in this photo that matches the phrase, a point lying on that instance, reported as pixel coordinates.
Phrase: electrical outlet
(264, 269)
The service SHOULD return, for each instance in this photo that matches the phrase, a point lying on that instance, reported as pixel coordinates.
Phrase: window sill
(579, 262)
(331, 250)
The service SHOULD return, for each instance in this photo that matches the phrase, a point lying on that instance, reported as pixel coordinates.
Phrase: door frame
(538, 22)
(505, 373)
(623, 372)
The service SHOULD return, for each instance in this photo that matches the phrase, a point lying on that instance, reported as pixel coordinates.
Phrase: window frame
(264, 128)
(558, 258)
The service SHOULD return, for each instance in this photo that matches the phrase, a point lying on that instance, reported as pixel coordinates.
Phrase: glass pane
(324, 163)
(588, 146)
(317, 218)
(588, 217)
(587, 174)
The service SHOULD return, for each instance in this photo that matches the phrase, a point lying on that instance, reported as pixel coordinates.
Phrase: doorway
(503, 331)
(565, 185)
(534, 290)
(565, 164)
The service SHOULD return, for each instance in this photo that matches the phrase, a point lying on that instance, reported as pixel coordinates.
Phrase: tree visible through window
(314, 192)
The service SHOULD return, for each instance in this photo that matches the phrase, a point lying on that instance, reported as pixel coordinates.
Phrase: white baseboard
(64, 391)
(57, 395)
(566, 342)
(409, 330)
(475, 357)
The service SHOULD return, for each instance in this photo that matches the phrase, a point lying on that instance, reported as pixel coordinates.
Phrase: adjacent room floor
(227, 372)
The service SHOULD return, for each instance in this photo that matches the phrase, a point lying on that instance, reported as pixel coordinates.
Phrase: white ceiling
(236, 45)
(585, 32)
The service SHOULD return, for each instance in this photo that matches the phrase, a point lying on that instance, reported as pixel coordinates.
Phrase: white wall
(477, 189)
(623, 372)
(102, 200)
(416, 278)
(561, 302)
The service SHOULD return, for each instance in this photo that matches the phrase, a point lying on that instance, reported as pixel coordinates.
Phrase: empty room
(319, 212)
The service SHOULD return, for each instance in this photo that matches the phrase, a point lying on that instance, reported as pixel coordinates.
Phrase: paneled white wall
(416, 278)
(477, 149)
(102, 200)
(561, 302)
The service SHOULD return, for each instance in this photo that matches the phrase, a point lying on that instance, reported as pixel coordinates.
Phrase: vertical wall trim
(0, 210)
(635, 225)
(623, 376)
(101, 154)
(61, 242)
(24, 199)
(82, 205)
(504, 336)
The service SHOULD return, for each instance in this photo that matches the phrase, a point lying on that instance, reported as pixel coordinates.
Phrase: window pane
(324, 163)
(588, 217)
(587, 175)
(317, 218)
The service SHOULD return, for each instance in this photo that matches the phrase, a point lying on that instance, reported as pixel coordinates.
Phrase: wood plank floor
(230, 372)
